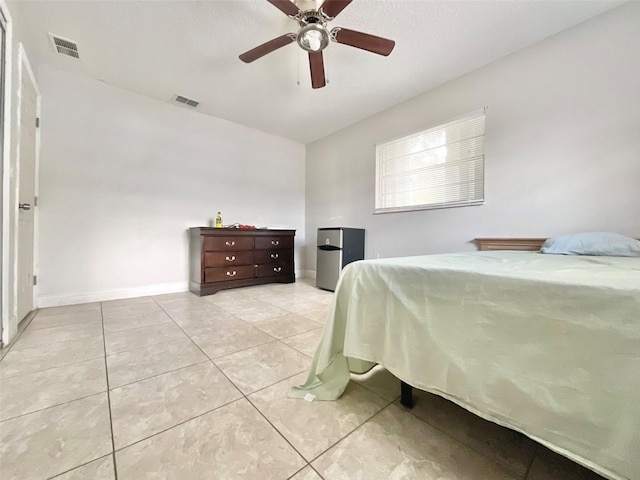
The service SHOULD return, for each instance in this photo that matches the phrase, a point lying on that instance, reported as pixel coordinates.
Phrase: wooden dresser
(221, 258)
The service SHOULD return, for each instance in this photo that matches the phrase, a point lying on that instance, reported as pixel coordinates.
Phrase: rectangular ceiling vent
(64, 46)
(186, 101)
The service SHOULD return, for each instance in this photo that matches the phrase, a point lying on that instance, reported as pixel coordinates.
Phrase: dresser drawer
(224, 274)
(273, 256)
(226, 259)
(275, 241)
(273, 270)
(227, 244)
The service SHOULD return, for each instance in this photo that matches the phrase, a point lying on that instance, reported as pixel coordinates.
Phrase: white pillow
(593, 243)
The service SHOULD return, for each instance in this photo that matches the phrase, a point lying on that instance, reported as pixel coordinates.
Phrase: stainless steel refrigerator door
(328, 269)
(332, 237)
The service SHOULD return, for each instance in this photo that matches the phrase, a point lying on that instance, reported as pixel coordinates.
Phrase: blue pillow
(593, 243)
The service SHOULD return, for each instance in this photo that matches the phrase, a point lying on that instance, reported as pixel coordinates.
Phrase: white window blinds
(437, 168)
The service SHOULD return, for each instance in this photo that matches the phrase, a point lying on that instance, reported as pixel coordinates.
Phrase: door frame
(6, 167)
(10, 186)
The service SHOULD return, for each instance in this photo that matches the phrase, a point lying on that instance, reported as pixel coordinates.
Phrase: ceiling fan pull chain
(298, 68)
(326, 76)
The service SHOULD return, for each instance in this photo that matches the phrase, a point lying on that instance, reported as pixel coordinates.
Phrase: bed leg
(406, 394)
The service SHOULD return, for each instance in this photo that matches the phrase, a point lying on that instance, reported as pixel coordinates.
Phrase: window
(436, 168)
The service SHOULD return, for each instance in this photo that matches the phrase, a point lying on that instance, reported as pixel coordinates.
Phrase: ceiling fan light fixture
(313, 37)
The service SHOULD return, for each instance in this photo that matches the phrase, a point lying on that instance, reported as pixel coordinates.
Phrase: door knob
(24, 206)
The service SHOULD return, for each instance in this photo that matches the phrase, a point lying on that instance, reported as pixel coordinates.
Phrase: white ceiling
(191, 48)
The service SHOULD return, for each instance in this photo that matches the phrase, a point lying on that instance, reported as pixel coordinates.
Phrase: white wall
(123, 176)
(562, 148)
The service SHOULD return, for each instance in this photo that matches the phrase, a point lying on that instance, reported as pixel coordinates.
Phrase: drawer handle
(275, 255)
(230, 244)
(231, 274)
(232, 258)
(275, 242)
(277, 269)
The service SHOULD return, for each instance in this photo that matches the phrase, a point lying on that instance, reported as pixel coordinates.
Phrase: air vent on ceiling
(64, 46)
(186, 101)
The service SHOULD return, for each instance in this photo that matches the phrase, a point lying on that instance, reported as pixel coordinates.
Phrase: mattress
(548, 345)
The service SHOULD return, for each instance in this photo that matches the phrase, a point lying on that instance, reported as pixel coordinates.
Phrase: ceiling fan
(313, 36)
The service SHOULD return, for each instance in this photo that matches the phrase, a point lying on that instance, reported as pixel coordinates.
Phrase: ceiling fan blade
(332, 8)
(364, 41)
(270, 46)
(285, 6)
(316, 63)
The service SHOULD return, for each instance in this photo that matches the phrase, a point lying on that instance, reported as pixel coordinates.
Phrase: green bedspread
(548, 345)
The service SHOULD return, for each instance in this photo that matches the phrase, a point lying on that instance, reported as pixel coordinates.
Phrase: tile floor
(182, 387)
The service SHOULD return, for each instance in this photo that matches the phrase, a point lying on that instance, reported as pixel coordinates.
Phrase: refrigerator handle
(328, 247)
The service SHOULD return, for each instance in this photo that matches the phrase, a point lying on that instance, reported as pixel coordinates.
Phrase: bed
(548, 345)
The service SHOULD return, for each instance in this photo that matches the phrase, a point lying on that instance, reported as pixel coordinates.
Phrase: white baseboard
(306, 274)
(44, 301)
(76, 298)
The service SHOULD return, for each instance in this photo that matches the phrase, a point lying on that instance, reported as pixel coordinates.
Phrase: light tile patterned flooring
(182, 387)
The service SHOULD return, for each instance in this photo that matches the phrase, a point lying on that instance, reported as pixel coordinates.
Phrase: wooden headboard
(523, 244)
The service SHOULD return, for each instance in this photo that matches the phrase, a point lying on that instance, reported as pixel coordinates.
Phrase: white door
(26, 189)
(4, 151)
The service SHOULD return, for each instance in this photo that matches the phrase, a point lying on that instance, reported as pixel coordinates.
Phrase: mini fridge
(337, 247)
